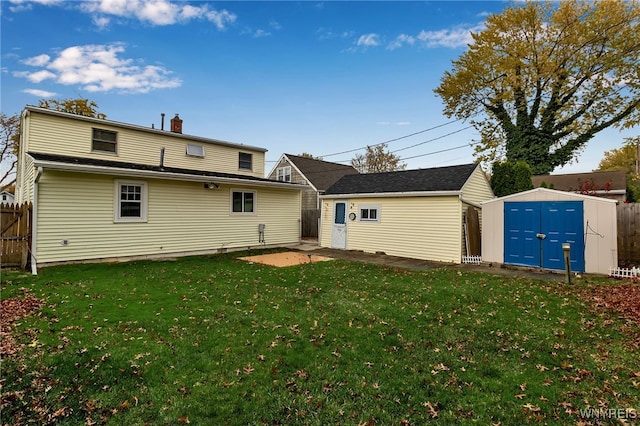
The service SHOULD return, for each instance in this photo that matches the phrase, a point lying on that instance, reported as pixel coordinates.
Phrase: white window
(284, 174)
(245, 161)
(369, 213)
(243, 202)
(194, 150)
(104, 140)
(131, 201)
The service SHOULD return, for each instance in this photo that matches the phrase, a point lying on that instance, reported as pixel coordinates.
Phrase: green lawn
(215, 340)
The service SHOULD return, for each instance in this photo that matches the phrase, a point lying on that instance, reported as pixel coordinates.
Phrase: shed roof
(522, 196)
(450, 178)
(321, 174)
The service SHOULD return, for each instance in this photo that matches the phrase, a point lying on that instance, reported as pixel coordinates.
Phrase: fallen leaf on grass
(432, 411)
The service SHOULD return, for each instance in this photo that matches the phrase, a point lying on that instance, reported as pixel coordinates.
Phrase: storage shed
(529, 228)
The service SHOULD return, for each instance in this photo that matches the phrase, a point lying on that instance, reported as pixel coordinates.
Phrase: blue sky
(318, 77)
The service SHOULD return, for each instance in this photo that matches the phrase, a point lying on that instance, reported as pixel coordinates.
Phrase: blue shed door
(534, 232)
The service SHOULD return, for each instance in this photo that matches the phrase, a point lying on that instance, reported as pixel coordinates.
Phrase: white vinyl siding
(65, 136)
(25, 180)
(477, 188)
(182, 218)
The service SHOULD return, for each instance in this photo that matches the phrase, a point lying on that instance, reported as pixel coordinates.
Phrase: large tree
(377, 160)
(625, 158)
(80, 106)
(9, 143)
(543, 78)
(10, 131)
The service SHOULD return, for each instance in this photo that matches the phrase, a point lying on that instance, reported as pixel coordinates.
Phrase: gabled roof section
(90, 165)
(321, 174)
(572, 182)
(451, 178)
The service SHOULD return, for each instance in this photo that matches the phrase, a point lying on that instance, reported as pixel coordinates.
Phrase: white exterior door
(339, 227)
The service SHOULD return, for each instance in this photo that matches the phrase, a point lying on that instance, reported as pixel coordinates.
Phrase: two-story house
(106, 190)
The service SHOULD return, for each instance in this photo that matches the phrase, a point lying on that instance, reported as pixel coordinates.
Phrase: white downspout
(34, 222)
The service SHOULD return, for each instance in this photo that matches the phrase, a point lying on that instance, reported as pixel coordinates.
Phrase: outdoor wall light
(211, 185)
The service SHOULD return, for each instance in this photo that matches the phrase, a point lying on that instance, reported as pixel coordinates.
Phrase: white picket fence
(624, 272)
(476, 260)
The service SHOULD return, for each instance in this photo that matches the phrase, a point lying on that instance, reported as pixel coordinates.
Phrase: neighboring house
(317, 174)
(108, 190)
(529, 228)
(414, 213)
(602, 184)
(6, 197)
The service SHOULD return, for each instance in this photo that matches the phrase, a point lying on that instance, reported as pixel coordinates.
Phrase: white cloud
(40, 93)
(368, 40)
(40, 76)
(454, 37)
(400, 41)
(100, 68)
(37, 61)
(221, 19)
(25, 5)
(261, 33)
(155, 12)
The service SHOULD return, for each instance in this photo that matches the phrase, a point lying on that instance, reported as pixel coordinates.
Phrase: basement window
(194, 150)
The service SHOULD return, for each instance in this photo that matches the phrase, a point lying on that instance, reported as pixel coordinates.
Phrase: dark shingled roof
(134, 166)
(574, 181)
(321, 174)
(451, 178)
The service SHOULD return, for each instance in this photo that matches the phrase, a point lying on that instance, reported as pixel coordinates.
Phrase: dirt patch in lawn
(289, 258)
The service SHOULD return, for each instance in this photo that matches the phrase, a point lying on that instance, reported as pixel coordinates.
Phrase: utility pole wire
(392, 140)
(431, 140)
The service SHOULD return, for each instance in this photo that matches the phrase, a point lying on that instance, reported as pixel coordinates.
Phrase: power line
(393, 140)
(428, 153)
(441, 151)
(431, 140)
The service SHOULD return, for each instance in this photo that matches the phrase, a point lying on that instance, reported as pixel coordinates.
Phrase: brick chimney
(176, 124)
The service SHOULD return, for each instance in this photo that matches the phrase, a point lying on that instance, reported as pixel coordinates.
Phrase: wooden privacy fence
(310, 218)
(628, 234)
(15, 223)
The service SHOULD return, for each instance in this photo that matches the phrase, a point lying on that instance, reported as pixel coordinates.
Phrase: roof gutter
(117, 171)
(394, 194)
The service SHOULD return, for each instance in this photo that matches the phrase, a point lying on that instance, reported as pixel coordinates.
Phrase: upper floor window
(195, 150)
(245, 161)
(284, 174)
(104, 140)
